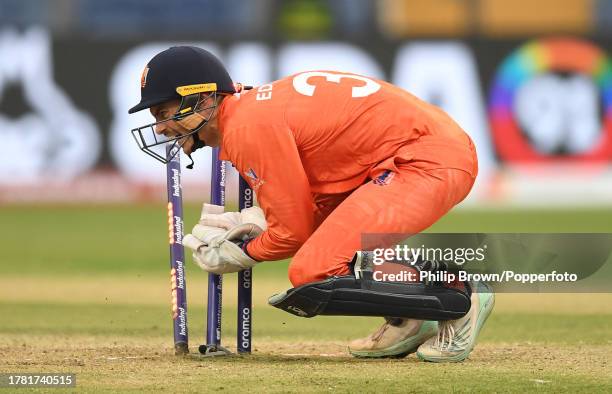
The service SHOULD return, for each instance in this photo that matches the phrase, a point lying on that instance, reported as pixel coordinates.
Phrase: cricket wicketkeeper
(331, 156)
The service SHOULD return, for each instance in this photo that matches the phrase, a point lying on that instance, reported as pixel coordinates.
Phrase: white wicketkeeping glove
(243, 225)
(214, 239)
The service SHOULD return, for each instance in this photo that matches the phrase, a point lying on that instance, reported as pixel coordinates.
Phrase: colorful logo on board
(571, 65)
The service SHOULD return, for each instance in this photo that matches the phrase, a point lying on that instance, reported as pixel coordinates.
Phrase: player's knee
(298, 274)
(303, 270)
(311, 265)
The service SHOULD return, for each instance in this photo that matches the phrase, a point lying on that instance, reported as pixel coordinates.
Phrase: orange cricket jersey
(323, 132)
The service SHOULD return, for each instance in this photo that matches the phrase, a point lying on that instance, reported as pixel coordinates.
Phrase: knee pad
(361, 295)
(349, 296)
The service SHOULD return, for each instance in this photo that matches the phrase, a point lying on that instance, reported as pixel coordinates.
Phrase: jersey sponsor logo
(384, 179)
(251, 174)
(255, 181)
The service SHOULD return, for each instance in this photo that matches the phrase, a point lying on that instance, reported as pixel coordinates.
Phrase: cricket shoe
(395, 338)
(457, 338)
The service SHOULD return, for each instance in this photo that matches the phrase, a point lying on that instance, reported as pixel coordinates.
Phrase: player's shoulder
(264, 103)
(333, 83)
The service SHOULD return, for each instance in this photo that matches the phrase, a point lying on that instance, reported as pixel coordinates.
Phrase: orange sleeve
(282, 189)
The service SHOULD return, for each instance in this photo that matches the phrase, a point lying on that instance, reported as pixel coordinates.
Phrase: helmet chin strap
(192, 102)
(197, 144)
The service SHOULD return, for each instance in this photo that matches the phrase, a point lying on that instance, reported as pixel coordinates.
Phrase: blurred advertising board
(538, 110)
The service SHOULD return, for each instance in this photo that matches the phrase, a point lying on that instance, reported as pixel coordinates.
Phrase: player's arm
(270, 162)
(268, 159)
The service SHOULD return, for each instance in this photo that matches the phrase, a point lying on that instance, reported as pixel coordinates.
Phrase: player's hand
(251, 219)
(242, 226)
(219, 255)
(215, 239)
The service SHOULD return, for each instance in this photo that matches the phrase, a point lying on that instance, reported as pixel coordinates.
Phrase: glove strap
(244, 248)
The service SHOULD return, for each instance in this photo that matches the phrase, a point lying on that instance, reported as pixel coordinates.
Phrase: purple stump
(177, 252)
(215, 282)
(245, 282)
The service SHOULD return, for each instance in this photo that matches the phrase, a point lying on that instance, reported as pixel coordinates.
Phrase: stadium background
(70, 68)
(84, 259)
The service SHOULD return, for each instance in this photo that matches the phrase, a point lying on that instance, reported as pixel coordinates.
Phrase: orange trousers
(401, 202)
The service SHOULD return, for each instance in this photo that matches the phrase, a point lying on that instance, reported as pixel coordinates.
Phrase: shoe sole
(482, 318)
(403, 348)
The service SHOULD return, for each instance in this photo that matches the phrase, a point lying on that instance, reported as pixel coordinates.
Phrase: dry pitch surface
(114, 334)
(87, 292)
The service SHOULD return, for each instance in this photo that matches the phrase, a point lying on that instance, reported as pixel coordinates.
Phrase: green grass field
(85, 290)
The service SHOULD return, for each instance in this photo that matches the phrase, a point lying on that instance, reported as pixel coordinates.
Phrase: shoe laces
(445, 336)
(378, 334)
(449, 339)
